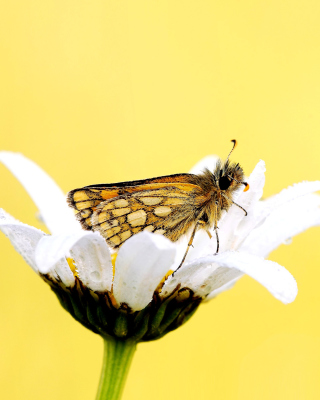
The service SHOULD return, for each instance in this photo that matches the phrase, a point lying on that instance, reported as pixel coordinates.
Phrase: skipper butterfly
(169, 205)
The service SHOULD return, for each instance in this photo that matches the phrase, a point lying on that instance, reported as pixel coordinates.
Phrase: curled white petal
(93, 262)
(224, 268)
(62, 272)
(275, 278)
(142, 262)
(24, 238)
(51, 249)
(45, 193)
(221, 289)
(208, 162)
(282, 224)
(193, 275)
(285, 197)
(202, 276)
(291, 193)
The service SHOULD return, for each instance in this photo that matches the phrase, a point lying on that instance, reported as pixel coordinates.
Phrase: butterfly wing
(169, 211)
(118, 212)
(86, 199)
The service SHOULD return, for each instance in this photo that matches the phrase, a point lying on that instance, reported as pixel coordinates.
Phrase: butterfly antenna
(233, 147)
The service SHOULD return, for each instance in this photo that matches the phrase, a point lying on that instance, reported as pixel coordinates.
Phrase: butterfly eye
(224, 183)
(205, 218)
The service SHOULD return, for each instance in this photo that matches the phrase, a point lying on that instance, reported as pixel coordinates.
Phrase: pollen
(72, 266)
(113, 261)
(159, 287)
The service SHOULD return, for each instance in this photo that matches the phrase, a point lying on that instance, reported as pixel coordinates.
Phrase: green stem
(117, 358)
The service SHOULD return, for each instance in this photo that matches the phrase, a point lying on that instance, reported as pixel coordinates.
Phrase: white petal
(93, 262)
(286, 196)
(24, 238)
(202, 245)
(222, 269)
(202, 276)
(234, 224)
(62, 272)
(280, 283)
(222, 289)
(291, 193)
(46, 194)
(208, 162)
(282, 224)
(142, 262)
(51, 249)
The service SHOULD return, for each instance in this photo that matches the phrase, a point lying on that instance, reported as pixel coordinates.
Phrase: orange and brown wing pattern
(164, 205)
(86, 199)
(165, 210)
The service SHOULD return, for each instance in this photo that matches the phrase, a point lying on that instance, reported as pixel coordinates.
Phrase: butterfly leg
(226, 197)
(217, 236)
(241, 208)
(190, 243)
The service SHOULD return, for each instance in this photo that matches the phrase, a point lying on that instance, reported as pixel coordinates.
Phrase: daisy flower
(132, 296)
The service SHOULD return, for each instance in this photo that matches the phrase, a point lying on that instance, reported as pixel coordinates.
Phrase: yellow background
(106, 91)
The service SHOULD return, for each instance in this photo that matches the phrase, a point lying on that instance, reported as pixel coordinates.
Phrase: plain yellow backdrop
(107, 91)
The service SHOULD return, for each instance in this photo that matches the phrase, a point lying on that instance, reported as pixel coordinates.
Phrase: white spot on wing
(137, 218)
(162, 211)
(120, 211)
(121, 203)
(149, 228)
(160, 231)
(151, 201)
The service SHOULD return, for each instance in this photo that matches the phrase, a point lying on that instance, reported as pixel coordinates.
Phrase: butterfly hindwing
(85, 201)
(166, 210)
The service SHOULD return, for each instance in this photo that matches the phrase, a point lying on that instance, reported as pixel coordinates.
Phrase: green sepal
(121, 325)
(97, 312)
(142, 330)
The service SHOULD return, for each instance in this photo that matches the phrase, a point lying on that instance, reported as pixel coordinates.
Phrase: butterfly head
(230, 175)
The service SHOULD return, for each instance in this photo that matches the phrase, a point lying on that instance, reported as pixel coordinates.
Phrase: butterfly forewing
(118, 212)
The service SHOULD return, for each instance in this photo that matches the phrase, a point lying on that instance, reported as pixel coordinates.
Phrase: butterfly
(169, 205)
